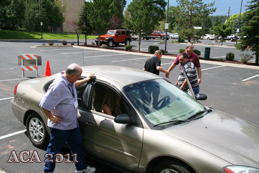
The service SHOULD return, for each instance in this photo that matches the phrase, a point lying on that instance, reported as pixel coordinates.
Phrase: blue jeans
(58, 138)
(196, 90)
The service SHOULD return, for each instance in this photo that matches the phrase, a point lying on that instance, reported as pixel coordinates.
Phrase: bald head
(73, 69)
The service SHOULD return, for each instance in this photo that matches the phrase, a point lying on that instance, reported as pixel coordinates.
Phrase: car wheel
(36, 131)
(127, 42)
(110, 43)
(162, 38)
(172, 167)
(147, 38)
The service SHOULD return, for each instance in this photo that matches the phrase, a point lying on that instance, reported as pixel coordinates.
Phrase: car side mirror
(201, 96)
(122, 119)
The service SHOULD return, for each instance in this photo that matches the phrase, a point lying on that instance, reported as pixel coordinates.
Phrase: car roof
(118, 75)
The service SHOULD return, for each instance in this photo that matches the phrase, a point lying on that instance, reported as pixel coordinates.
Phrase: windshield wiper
(197, 114)
(171, 121)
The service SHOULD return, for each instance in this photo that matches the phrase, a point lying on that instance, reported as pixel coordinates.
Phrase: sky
(222, 6)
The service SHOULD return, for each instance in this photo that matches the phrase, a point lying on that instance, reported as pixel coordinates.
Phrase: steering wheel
(162, 102)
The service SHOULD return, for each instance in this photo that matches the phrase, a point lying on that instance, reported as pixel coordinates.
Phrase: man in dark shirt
(153, 64)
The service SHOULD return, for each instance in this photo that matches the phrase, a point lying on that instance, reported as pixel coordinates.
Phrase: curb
(173, 58)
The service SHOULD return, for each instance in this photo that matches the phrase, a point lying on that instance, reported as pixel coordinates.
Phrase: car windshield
(160, 101)
(111, 32)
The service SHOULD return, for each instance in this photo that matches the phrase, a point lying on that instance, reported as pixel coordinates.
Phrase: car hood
(106, 35)
(222, 135)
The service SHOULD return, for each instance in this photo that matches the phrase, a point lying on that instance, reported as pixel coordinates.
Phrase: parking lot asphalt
(230, 88)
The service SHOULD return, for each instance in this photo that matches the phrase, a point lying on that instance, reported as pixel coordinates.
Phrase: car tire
(172, 166)
(208, 38)
(36, 131)
(110, 43)
(127, 42)
(162, 38)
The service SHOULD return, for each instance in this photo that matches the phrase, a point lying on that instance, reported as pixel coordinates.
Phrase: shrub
(72, 43)
(245, 58)
(163, 51)
(180, 40)
(51, 43)
(128, 47)
(64, 42)
(152, 49)
(197, 52)
(181, 50)
(230, 56)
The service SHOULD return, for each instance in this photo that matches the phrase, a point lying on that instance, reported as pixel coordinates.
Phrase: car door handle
(90, 123)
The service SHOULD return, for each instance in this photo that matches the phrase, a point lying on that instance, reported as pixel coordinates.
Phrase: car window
(106, 96)
(118, 33)
(123, 32)
(111, 32)
(82, 93)
(160, 101)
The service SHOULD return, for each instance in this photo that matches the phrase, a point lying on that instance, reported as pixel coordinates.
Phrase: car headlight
(240, 169)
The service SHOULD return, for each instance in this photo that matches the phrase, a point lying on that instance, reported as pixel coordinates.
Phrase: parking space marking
(57, 49)
(250, 78)
(8, 98)
(212, 68)
(129, 59)
(9, 80)
(70, 53)
(101, 55)
(12, 134)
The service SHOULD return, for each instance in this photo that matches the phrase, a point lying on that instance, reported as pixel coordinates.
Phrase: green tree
(231, 19)
(217, 21)
(143, 15)
(100, 15)
(250, 34)
(117, 8)
(15, 13)
(84, 23)
(238, 23)
(3, 16)
(48, 9)
(192, 13)
(206, 25)
(222, 30)
(32, 16)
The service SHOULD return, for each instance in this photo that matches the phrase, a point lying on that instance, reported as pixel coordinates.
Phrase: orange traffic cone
(47, 71)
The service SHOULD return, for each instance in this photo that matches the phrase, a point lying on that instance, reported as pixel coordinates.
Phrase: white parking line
(8, 98)
(250, 78)
(71, 53)
(10, 79)
(129, 59)
(62, 49)
(212, 68)
(12, 134)
(101, 55)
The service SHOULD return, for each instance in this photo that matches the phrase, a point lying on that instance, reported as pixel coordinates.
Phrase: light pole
(166, 24)
(240, 15)
(41, 21)
(238, 30)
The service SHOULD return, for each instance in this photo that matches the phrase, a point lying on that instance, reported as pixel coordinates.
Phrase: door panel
(116, 143)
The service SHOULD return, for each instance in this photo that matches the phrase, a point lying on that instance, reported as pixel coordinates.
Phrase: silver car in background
(173, 133)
